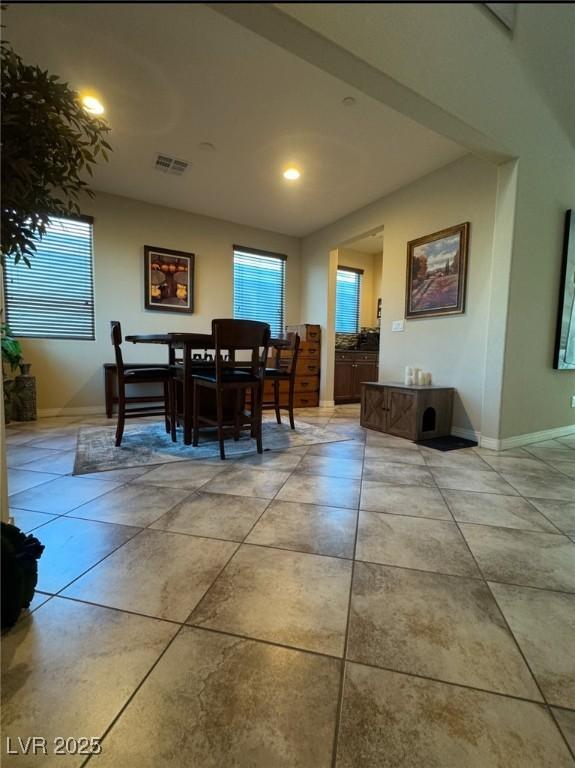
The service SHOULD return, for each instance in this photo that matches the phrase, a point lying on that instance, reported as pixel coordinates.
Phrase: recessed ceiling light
(349, 101)
(207, 146)
(291, 174)
(92, 105)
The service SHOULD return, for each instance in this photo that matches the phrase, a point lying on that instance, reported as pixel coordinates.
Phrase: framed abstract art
(168, 279)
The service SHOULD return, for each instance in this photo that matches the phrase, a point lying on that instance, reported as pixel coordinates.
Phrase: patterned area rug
(149, 444)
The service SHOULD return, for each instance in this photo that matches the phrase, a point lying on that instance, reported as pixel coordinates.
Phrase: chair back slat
(231, 336)
(287, 364)
(116, 334)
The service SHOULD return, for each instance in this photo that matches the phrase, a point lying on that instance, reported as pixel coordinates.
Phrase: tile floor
(354, 604)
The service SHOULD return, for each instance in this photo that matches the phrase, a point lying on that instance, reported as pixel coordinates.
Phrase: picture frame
(564, 357)
(379, 309)
(436, 276)
(168, 280)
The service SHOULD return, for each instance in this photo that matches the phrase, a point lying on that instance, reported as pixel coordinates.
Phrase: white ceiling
(174, 75)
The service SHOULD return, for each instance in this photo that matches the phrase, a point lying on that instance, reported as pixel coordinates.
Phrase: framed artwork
(168, 279)
(379, 309)
(565, 336)
(437, 273)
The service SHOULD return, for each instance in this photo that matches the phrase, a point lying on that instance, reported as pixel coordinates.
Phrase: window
(259, 287)
(54, 298)
(348, 289)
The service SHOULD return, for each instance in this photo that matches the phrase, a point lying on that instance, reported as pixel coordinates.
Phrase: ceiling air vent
(167, 164)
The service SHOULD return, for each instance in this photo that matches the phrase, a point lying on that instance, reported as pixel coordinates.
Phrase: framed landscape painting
(168, 279)
(565, 339)
(437, 272)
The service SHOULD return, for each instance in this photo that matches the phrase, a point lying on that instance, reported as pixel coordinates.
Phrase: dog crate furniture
(413, 412)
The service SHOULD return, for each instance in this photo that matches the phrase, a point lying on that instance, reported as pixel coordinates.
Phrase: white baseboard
(536, 437)
(88, 410)
(517, 441)
(327, 403)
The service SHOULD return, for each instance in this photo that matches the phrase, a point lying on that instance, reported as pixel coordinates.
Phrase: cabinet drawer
(269, 387)
(356, 357)
(307, 367)
(306, 399)
(306, 331)
(306, 383)
(307, 349)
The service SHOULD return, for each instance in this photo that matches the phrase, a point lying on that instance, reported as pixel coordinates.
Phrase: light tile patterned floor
(359, 604)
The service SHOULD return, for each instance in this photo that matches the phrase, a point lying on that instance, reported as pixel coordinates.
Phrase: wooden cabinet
(416, 413)
(307, 369)
(351, 369)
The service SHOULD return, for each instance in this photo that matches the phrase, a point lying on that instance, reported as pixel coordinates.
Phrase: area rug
(148, 444)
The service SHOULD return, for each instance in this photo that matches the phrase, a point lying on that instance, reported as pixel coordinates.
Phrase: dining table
(189, 344)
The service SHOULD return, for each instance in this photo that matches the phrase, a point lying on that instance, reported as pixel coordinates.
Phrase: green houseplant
(11, 359)
(49, 144)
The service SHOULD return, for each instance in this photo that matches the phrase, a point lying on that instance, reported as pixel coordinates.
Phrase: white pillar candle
(415, 374)
(409, 381)
(421, 379)
(408, 374)
(428, 379)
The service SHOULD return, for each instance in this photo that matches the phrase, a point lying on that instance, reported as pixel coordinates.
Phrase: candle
(409, 381)
(408, 374)
(421, 378)
(428, 379)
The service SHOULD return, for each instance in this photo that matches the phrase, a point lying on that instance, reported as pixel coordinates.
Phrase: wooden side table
(414, 412)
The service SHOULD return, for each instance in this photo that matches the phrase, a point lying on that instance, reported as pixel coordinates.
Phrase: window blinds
(348, 289)
(259, 287)
(54, 298)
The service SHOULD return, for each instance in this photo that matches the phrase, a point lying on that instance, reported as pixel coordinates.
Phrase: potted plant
(50, 144)
(11, 360)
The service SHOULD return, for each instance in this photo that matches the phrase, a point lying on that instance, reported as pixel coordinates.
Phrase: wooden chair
(231, 336)
(126, 375)
(284, 370)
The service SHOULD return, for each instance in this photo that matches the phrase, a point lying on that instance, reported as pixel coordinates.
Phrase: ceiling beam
(290, 34)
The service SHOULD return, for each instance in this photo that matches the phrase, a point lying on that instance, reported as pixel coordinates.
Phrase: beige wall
(452, 348)
(347, 257)
(449, 86)
(69, 373)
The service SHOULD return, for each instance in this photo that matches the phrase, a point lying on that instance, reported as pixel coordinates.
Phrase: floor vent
(167, 164)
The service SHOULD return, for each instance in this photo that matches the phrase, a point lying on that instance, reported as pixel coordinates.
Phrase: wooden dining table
(189, 343)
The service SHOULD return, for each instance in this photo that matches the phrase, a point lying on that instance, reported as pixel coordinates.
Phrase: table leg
(187, 395)
(109, 377)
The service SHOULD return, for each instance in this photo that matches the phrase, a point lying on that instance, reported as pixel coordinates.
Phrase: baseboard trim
(88, 410)
(517, 441)
(536, 437)
(327, 403)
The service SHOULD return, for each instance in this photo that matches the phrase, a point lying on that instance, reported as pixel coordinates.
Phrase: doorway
(357, 315)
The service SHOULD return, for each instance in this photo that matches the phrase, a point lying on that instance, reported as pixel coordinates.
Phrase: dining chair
(284, 370)
(126, 375)
(232, 376)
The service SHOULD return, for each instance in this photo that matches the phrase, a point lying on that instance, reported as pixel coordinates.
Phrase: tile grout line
(343, 660)
(149, 672)
(133, 694)
(307, 651)
(509, 629)
(340, 701)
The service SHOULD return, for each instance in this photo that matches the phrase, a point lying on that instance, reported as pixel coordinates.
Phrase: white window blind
(348, 289)
(54, 298)
(259, 287)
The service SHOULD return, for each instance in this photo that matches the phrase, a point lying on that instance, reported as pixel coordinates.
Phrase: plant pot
(25, 368)
(8, 400)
